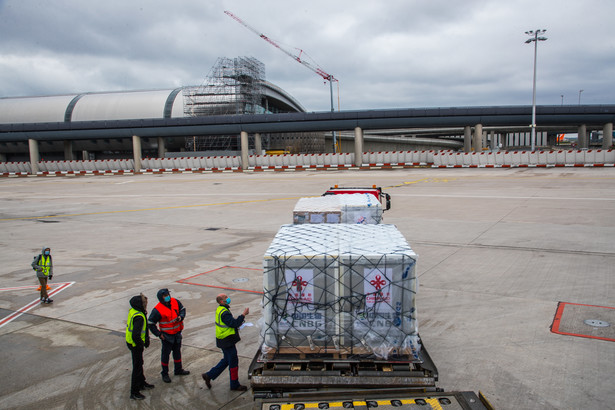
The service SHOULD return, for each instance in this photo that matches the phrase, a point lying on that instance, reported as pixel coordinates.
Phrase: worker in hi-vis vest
(227, 335)
(137, 339)
(169, 314)
(43, 265)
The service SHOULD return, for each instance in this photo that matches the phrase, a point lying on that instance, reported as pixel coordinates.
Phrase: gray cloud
(399, 53)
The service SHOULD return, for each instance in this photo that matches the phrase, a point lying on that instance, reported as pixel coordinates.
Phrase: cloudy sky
(386, 54)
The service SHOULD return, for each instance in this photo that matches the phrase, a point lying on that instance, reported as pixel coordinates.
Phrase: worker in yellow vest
(227, 335)
(137, 339)
(43, 265)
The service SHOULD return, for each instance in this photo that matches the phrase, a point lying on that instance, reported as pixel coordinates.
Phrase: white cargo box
(346, 208)
(340, 289)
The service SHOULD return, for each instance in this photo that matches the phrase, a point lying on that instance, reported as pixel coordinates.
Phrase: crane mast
(297, 57)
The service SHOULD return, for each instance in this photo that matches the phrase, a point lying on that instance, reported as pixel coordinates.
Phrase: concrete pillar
(493, 141)
(582, 138)
(358, 146)
(161, 147)
(467, 138)
(2, 157)
(503, 139)
(85, 155)
(607, 135)
(136, 151)
(258, 144)
(477, 140)
(68, 150)
(244, 150)
(34, 156)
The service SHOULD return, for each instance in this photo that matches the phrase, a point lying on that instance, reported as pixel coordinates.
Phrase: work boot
(207, 380)
(182, 372)
(240, 388)
(147, 386)
(137, 396)
(48, 301)
(166, 378)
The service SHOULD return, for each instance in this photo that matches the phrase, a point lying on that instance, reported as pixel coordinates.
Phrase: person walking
(43, 265)
(169, 314)
(227, 335)
(137, 339)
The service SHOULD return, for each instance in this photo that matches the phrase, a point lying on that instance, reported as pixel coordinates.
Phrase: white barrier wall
(345, 160)
(524, 158)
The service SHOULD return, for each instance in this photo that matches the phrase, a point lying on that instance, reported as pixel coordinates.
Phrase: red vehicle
(384, 198)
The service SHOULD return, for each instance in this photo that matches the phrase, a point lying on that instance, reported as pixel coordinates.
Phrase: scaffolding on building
(233, 86)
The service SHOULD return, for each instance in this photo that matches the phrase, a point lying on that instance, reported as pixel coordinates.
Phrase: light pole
(534, 38)
(580, 91)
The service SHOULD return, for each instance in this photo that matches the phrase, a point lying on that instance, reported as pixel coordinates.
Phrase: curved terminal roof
(109, 106)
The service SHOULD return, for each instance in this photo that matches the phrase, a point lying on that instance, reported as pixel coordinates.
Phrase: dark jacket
(137, 323)
(230, 321)
(155, 317)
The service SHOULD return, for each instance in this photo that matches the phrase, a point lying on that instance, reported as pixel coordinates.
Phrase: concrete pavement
(498, 249)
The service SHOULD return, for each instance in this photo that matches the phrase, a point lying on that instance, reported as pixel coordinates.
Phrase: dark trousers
(43, 282)
(168, 347)
(229, 360)
(138, 378)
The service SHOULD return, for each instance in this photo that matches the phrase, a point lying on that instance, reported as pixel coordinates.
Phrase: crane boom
(296, 57)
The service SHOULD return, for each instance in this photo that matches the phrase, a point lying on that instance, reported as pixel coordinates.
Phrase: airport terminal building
(234, 86)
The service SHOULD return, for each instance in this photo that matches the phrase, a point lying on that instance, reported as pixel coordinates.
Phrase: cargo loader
(340, 325)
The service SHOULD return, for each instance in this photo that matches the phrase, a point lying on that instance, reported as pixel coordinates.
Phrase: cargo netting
(341, 290)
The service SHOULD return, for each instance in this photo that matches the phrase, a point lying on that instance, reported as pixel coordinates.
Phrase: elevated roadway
(581, 118)
(564, 117)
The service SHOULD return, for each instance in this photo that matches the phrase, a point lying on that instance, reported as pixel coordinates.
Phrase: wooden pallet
(342, 353)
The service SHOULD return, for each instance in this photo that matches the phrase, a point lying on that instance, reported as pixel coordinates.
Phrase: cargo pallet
(274, 375)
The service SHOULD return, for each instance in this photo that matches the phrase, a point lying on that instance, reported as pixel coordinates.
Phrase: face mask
(46, 253)
(228, 301)
(167, 298)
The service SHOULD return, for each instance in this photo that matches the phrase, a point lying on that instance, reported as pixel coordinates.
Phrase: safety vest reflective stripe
(222, 330)
(44, 264)
(166, 323)
(129, 326)
(168, 328)
(220, 323)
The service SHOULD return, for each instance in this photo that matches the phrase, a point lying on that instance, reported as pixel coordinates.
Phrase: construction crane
(297, 57)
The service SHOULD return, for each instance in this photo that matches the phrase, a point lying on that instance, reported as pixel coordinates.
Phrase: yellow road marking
(434, 403)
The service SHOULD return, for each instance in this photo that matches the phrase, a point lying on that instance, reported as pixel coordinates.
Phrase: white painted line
(60, 287)
(20, 288)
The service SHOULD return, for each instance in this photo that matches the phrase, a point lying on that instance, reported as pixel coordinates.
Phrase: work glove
(146, 343)
(50, 277)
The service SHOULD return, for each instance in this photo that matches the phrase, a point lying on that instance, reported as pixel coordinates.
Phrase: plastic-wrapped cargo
(340, 289)
(346, 208)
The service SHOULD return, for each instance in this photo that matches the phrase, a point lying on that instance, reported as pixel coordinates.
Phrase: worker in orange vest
(166, 321)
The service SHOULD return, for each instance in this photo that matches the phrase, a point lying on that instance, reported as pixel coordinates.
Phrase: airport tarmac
(499, 249)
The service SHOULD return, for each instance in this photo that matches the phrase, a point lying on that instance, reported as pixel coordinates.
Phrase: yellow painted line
(407, 183)
(434, 403)
(146, 209)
